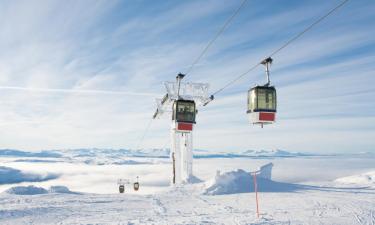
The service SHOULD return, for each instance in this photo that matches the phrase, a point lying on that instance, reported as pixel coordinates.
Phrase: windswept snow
(240, 181)
(367, 179)
(265, 171)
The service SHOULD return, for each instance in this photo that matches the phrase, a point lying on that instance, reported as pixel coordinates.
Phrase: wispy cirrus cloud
(84, 74)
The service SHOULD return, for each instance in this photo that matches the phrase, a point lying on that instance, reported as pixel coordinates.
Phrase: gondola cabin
(136, 186)
(184, 115)
(121, 188)
(261, 105)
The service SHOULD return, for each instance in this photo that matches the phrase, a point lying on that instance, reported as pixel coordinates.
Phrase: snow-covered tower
(180, 102)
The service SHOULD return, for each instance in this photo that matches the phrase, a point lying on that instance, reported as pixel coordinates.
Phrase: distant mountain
(18, 153)
(115, 153)
(97, 156)
(91, 154)
(251, 154)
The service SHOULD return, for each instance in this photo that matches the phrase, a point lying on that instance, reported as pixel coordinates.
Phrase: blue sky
(77, 74)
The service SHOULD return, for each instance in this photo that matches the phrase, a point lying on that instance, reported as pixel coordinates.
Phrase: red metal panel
(266, 116)
(185, 126)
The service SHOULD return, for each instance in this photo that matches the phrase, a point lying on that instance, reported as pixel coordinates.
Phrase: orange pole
(256, 193)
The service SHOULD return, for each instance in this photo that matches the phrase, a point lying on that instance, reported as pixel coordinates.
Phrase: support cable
(279, 49)
(199, 58)
(216, 36)
(308, 28)
(144, 134)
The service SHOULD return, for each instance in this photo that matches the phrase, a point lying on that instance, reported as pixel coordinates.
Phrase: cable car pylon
(180, 102)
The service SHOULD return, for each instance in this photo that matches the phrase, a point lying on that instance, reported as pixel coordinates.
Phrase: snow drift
(240, 181)
(28, 190)
(33, 190)
(361, 179)
(10, 175)
(60, 189)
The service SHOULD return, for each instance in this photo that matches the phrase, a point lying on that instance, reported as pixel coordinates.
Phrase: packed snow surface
(186, 205)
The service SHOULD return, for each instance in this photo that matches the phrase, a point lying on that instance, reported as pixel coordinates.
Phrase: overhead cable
(279, 49)
(144, 134)
(222, 29)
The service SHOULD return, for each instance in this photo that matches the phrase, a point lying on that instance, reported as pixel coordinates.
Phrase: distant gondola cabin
(121, 188)
(261, 104)
(136, 186)
(184, 115)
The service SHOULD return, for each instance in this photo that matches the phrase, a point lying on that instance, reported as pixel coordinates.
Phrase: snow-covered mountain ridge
(147, 153)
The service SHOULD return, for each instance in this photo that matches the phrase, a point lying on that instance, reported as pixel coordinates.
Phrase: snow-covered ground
(188, 206)
(366, 179)
(304, 189)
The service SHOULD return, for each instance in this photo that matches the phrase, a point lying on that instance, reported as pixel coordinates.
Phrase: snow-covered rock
(361, 179)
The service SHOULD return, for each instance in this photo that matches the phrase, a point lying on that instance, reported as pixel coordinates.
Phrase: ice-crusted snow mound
(10, 175)
(33, 190)
(240, 181)
(361, 179)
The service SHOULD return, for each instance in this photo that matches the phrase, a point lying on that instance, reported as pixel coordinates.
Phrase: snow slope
(186, 205)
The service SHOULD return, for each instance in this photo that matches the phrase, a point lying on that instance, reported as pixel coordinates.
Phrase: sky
(83, 74)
